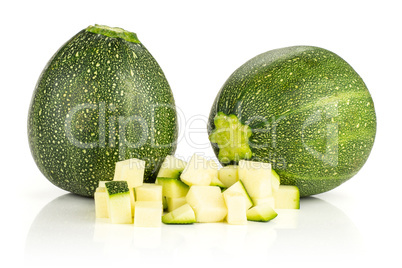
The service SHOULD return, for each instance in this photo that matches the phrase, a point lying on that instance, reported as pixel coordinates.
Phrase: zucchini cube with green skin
(256, 177)
(148, 192)
(181, 215)
(132, 200)
(148, 213)
(164, 203)
(262, 212)
(236, 205)
(100, 197)
(119, 203)
(199, 171)
(238, 187)
(275, 180)
(207, 203)
(172, 167)
(228, 175)
(287, 197)
(175, 202)
(216, 182)
(130, 170)
(172, 188)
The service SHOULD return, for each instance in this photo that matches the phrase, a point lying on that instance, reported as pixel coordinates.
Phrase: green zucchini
(303, 109)
(101, 98)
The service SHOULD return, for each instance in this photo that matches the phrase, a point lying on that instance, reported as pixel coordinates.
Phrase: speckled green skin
(311, 115)
(100, 100)
(117, 187)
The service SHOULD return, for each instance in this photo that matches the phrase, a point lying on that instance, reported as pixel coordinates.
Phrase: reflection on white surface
(66, 230)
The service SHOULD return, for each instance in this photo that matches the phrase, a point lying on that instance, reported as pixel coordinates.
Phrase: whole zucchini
(100, 99)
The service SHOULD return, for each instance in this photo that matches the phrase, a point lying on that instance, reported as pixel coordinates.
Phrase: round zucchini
(303, 109)
(101, 98)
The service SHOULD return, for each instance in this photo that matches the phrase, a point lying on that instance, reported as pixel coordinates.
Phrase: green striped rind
(100, 100)
(261, 213)
(182, 215)
(311, 115)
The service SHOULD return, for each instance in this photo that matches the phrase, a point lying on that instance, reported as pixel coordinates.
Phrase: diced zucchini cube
(130, 170)
(175, 202)
(119, 204)
(275, 181)
(207, 203)
(216, 182)
(228, 175)
(287, 197)
(148, 192)
(238, 187)
(256, 177)
(236, 206)
(181, 215)
(199, 171)
(171, 167)
(262, 212)
(132, 200)
(269, 199)
(172, 188)
(148, 213)
(100, 197)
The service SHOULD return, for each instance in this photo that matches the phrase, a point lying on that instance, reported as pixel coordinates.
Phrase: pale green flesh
(238, 187)
(174, 202)
(148, 192)
(207, 202)
(228, 175)
(275, 180)
(181, 215)
(237, 208)
(287, 197)
(216, 182)
(231, 136)
(171, 167)
(199, 171)
(148, 213)
(256, 178)
(119, 208)
(169, 173)
(173, 188)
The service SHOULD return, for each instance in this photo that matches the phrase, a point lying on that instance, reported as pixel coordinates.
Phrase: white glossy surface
(66, 227)
(198, 46)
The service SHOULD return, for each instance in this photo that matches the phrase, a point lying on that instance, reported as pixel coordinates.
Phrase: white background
(198, 45)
